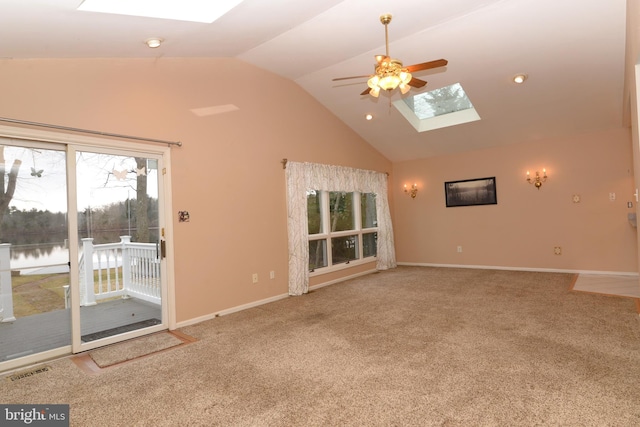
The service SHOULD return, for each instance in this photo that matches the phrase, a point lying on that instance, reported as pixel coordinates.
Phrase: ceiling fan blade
(416, 82)
(366, 92)
(427, 65)
(352, 77)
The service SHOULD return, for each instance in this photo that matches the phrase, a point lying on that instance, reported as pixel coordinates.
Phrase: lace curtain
(301, 177)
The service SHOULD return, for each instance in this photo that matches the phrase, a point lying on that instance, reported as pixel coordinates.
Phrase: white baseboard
(542, 270)
(230, 310)
(262, 301)
(414, 264)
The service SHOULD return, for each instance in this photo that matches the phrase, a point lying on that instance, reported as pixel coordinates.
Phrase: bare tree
(8, 187)
(142, 203)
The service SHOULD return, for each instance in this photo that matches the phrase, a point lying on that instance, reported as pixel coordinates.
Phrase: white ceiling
(572, 50)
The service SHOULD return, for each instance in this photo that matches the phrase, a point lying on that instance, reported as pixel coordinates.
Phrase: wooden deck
(47, 331)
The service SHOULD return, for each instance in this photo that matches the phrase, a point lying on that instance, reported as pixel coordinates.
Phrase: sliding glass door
(81, 247)
(119, 231)
(34, 253)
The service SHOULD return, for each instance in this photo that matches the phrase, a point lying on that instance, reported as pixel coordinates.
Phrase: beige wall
(632, 74)
(228, 173)
(523, 228)
(229, 177)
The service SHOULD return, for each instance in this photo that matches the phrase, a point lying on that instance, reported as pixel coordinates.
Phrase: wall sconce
(413, 191)
(537, 181)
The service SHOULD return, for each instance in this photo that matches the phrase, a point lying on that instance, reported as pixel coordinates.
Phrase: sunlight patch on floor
(610, 284)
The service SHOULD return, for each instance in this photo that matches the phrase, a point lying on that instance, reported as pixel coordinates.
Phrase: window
(343, 228)
(372, 240)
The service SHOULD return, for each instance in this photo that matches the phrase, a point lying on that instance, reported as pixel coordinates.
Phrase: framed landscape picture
(471, 192)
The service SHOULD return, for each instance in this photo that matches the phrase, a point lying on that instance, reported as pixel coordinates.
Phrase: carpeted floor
(133, 349)
(412, 346)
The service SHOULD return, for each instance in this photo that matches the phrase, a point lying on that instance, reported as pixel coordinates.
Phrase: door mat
(120, 330)
(132, 349)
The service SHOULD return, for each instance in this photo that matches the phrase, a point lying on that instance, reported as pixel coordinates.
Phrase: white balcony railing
(6, 292)
(124, 269)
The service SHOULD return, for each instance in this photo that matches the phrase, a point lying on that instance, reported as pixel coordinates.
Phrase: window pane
(368, 209)
(317, 254)
(369, 244)
(313, 212)
(341, 210)
(344, 249)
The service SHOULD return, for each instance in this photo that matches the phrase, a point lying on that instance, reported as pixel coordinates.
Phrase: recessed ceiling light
(154, 42)
(368, 117)
(519, 78)
(191, 10)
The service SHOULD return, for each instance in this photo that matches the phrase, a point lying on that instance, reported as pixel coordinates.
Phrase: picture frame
(471, 192)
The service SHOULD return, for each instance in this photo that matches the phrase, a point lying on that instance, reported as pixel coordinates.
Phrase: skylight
(447, 106)
(180, 10)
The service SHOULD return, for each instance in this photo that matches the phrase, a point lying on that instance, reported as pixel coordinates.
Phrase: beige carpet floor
(411, 346)
(133, 349)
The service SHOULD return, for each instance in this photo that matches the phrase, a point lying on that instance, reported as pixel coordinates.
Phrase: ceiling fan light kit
(390, 74)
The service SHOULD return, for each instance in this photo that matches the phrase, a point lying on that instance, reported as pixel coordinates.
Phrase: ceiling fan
(390, 73)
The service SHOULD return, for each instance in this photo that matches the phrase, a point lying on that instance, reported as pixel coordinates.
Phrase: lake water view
(50, 257)
(26, 259)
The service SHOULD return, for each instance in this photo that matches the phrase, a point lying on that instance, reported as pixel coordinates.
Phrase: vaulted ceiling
(573, 52)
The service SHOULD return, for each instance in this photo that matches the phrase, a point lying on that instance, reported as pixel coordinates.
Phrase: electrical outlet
(272, 274)
(557, 250)
(254, 278)
(459, 249)
(612, 196)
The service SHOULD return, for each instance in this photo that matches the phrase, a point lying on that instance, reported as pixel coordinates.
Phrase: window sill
(344, 266)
